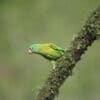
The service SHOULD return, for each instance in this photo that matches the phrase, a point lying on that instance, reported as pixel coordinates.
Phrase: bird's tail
(98, 37)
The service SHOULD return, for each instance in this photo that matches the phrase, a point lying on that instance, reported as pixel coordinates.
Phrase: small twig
(72, 55)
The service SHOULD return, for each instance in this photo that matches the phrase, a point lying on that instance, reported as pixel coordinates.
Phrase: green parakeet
(50, 51)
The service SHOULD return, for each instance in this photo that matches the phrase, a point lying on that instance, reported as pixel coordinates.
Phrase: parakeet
(50, 51)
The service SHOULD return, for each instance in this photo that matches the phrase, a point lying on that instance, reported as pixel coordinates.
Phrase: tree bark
(71, 56)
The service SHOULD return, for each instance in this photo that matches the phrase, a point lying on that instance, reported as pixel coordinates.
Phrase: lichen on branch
(71, 56)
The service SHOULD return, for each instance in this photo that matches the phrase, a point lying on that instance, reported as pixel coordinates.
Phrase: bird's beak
(30, 51)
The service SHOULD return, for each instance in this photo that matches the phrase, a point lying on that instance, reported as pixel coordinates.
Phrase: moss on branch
(72, 55)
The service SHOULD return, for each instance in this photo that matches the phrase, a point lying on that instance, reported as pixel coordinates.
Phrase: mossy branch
(72, 55)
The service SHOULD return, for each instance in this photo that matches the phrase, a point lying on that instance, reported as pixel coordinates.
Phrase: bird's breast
(50, 53)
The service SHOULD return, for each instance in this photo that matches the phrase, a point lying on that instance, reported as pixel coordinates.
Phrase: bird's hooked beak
(30, 51)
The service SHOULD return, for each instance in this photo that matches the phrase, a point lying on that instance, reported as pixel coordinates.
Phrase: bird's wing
(52, 45)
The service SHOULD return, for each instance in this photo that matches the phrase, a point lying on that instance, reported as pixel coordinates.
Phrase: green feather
(47, 50)
(52, 45)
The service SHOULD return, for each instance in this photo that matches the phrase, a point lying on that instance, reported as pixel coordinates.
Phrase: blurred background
(23, 22)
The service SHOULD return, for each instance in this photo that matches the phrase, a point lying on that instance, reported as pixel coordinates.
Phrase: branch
(72, 55)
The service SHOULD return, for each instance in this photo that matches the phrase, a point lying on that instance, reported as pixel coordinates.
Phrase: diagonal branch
(72, 55)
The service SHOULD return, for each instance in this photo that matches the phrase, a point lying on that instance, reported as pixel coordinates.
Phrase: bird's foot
(53, 64)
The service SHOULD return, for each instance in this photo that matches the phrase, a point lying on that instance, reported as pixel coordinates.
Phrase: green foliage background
(23, 22)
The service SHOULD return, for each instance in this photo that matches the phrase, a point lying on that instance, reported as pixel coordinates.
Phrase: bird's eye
(30, 48)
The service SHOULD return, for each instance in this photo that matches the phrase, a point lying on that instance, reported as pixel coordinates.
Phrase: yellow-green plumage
(47, 50)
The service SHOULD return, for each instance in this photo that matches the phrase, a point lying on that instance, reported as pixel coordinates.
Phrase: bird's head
(33, 48)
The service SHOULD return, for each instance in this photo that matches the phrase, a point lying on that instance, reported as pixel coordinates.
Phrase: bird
(50, 51)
